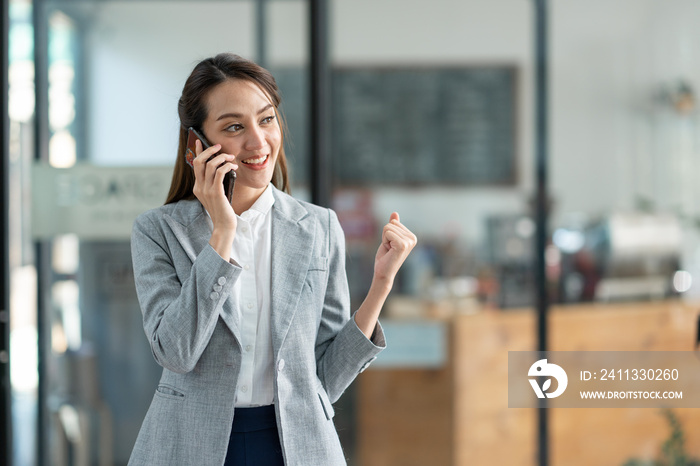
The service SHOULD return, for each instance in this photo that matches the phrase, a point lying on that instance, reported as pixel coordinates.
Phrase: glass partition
(433, 119)
(624, 150)
(114, 72)
(623, 258)
(23, 273)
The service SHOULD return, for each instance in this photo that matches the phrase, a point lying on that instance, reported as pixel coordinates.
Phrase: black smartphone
(191, 153)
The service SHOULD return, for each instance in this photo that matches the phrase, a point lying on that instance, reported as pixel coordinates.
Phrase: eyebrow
(238, 115)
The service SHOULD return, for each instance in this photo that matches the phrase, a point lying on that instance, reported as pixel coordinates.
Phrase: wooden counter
(459, 415)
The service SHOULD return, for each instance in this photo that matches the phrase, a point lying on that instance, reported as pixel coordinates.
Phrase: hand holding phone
(191, 153)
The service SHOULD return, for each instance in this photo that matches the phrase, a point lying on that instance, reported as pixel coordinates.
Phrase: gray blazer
(194, 333)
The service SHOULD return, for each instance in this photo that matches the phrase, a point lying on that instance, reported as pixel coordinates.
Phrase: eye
(234, 128)
(269, 119)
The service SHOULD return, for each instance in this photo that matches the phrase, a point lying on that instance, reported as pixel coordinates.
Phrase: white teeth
(255, 161)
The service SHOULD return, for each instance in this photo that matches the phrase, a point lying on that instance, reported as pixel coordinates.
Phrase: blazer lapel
(192, 227)
(292, 238)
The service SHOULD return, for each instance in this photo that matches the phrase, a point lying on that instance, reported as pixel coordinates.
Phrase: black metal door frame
(320, 174)
(541, 62)
(5, 386)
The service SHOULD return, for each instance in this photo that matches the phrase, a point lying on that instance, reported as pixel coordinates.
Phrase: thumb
(394, 216)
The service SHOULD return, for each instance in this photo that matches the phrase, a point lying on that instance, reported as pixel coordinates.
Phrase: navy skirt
(254, 438)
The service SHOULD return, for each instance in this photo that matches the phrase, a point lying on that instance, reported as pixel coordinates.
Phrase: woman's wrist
(222, 241)
(381, 286)
(367, 315)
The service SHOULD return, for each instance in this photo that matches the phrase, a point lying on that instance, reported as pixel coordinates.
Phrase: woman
(246, 304)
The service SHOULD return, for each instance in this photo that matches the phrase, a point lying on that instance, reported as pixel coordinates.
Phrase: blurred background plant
(673, 449)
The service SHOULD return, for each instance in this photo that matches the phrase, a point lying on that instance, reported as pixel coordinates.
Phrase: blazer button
(280, 365)
(222, 281)
(366, 365)
(218, 287)
(214, 295)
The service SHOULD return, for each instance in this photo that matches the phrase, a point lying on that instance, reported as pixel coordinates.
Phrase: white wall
(139, 55)
(608, 141)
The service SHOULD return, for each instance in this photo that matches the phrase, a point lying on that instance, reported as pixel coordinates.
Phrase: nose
(255, 139)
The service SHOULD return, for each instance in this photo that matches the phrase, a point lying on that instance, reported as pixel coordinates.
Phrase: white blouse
(251, 298)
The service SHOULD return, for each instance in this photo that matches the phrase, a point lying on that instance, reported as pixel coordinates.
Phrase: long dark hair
(192, 110)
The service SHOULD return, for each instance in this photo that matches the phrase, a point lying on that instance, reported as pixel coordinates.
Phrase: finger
(399, 238)
(222, 170)
(397, 243)
(391, 228)
(203, 155)
(199, 147)
(201, 168)
(397, 223)
(220, 159)
(394, 216)
(399, 230)
(197, 164)
(395, 235)
(211, 166)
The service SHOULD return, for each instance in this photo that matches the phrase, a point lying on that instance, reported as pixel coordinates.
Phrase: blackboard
(424, 126)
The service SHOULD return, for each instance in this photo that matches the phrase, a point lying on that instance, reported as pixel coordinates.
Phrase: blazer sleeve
(342, 350)
(179, 317)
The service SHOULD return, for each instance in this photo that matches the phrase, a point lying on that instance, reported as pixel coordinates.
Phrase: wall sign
(94, 202)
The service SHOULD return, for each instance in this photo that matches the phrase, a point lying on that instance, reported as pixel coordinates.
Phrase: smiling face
(244, 121)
